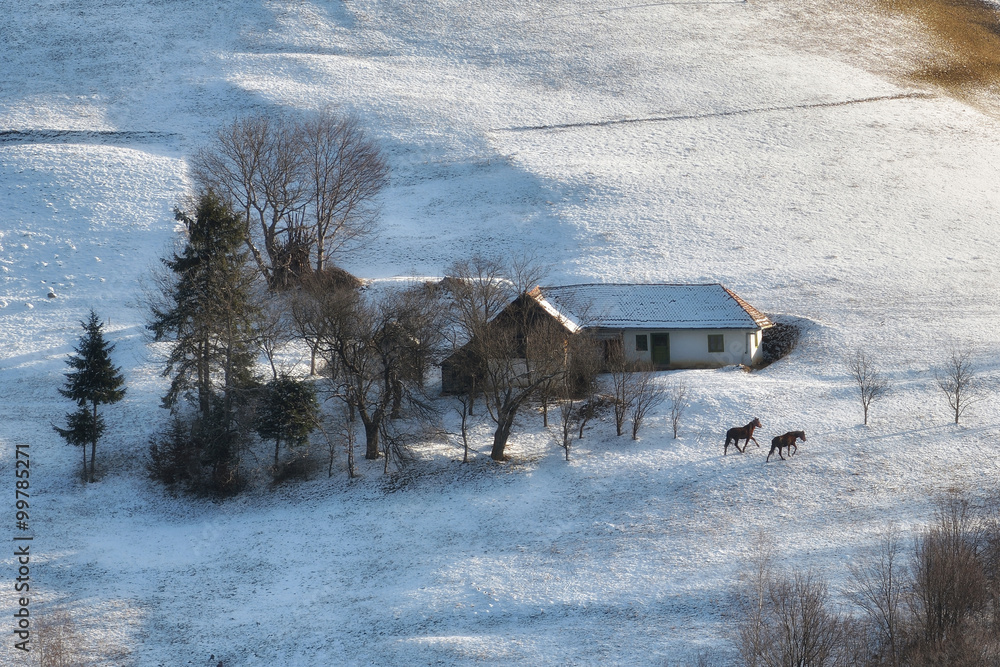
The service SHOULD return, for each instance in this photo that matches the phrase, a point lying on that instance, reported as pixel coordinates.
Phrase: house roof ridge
(544, 287)
(760, 318)
(681, 303)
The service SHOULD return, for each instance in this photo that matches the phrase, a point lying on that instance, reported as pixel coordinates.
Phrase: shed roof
(651, 306)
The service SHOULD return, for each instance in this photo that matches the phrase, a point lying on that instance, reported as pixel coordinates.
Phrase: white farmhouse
(671, 326)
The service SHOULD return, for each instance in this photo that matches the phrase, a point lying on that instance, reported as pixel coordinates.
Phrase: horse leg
(754, 441)
(769, 455)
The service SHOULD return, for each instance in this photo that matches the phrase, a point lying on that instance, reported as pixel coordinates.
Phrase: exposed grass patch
(967, 33)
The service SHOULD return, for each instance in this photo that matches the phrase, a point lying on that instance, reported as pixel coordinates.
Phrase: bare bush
(677, 399)
(941, 609)
(950, 589)
(57, 643)
(879, 587)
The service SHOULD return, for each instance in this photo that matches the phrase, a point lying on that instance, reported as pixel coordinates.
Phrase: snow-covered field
(764, 145)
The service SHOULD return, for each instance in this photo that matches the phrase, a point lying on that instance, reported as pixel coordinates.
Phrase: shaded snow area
(756, 145)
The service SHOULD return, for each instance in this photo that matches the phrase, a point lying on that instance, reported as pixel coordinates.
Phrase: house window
(716, 343)
(641, 343)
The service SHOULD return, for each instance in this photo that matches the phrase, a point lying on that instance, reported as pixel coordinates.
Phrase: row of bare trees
(933, 602)
(957, 378)
(509, 350)
(377, 349)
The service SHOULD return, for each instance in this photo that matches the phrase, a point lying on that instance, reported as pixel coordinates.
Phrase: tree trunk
(397, 398)
(320, 253)
(371, 433)
(500, 436)
(465, 434)
(204, 381)
(350, 457)
(93, 445)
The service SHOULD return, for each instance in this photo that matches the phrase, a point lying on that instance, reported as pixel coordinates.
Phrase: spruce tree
(287, 413)
(93, 381)
(209, 313)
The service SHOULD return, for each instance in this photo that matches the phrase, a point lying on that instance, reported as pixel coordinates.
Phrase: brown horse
(742, 433)
(786, 441)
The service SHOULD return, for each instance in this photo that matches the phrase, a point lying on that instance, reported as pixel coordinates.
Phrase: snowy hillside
(775, 146)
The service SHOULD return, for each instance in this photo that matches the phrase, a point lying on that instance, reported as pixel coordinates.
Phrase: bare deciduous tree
(646, 394)
(498, 320)
(586, 364)
(677, 398)
(793, 625)
(634, 390)
(871, 382)
(958, 380)
(568, 419)
(374, 351)
(752, 601)
(273, 329)
(345, 171)
(786, 620)
(619, 370)
(878, 586)
(949, 585)
(548, 349)
(303, 189)
(939, 608)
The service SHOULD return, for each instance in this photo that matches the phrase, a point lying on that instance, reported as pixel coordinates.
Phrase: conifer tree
(93, 381)
(208, 311)
(288, 413)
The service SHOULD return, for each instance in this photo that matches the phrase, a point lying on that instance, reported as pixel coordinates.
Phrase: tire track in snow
(714, 114)
(113, 137)
(603, 10)
(606, 10)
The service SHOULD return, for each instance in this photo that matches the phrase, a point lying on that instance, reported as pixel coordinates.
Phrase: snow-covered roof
(658, 306)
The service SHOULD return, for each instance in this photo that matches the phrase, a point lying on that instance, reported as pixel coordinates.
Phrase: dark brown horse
(741, 433)
(787, 442)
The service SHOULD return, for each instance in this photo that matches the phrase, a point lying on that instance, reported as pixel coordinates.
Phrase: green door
(660, 349)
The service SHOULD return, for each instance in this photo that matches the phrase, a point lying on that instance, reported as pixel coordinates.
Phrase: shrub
(779, 341)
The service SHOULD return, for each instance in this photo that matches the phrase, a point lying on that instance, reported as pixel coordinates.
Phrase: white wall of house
(690, 347)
